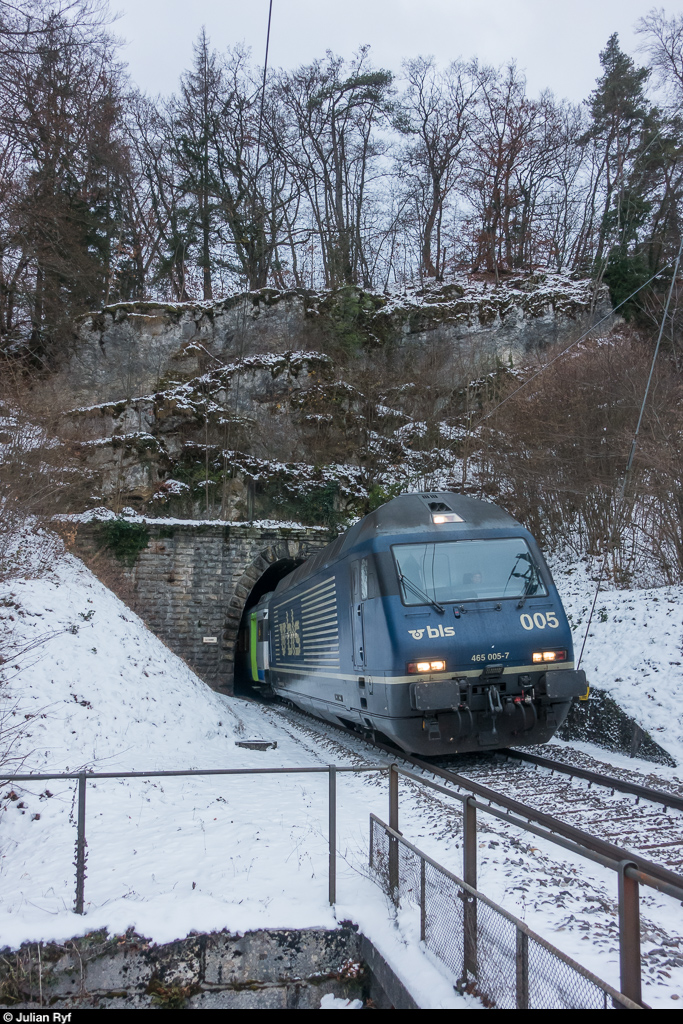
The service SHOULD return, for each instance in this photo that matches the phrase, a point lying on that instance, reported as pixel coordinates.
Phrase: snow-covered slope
(634, 649)
(103, 692)
(166, 856)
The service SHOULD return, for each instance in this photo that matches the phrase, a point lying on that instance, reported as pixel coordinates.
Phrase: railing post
(80, 845)
(393, 824)
(469, 817)
(423, 900)
(333, 834)
(469, 857)
(522, 970)
(629, 934)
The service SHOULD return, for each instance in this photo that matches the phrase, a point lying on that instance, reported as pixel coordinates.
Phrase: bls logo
(432, 633)
(290, 638)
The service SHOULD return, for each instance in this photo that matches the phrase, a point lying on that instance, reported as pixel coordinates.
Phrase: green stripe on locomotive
(253, 639)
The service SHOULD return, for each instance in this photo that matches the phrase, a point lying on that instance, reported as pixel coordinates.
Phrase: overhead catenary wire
(263, 97)
(242, 334)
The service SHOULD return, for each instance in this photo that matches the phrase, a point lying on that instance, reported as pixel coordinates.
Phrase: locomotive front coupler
(491, 677)
(493, 694)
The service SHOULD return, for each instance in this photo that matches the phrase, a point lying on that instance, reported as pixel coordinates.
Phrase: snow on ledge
(105, 515)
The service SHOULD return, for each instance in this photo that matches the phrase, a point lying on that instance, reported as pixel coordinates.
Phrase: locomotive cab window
(467, 570)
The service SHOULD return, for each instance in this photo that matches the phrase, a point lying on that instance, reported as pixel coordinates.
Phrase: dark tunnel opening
(266, 583)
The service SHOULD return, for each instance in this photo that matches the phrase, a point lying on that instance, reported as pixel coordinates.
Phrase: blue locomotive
(433, 622)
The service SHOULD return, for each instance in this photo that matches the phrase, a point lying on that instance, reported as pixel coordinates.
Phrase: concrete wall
(192, 580)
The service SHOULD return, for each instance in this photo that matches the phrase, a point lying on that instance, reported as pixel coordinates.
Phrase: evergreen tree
(61, 119)
(619, 114)
(197, 111)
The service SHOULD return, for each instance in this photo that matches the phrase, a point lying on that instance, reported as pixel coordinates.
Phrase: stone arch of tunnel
(192, 581)
(261, 576)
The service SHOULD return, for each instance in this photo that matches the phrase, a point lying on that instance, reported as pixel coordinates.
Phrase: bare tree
(663, 41)
(332, 148)
(435, 115)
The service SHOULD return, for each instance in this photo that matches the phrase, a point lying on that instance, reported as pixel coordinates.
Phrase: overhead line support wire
(652, 368)
(624, 480)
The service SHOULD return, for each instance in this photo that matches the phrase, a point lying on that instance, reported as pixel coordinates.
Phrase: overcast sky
(556, 42)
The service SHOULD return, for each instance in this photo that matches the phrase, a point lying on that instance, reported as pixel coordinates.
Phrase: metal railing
(493, 954)
(84, 777)
(630, 875)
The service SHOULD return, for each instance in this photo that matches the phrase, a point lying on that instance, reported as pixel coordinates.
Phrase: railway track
(607, 813)
(577, 794)
(645, 821)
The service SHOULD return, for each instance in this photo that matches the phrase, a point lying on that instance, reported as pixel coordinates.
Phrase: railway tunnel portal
(192, 581)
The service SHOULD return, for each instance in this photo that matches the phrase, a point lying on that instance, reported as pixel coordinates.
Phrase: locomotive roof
(415, 511)
(406, 514)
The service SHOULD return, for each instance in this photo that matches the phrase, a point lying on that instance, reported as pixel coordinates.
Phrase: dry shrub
(39, 477)
(556, 452)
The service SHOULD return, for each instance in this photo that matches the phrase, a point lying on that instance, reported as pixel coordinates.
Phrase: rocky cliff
(133, 348)
(270, 397)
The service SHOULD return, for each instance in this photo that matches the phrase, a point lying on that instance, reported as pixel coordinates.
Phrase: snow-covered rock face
(132, 348)
(265, 404)
(251, 378)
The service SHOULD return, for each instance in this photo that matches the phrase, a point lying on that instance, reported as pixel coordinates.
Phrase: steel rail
(556, 830)
(557, 826)
(655, 796)
(613, 861)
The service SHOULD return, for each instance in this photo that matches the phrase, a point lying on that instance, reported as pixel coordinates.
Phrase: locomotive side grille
(306, 628)
(329, 615)
(319, 626)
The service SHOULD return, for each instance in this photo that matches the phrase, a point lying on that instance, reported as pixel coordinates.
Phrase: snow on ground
(634, 649)
(166, 856)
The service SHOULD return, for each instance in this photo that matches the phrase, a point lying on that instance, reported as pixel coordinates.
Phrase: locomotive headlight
(426, 666)
(446, 517)
(546, 656)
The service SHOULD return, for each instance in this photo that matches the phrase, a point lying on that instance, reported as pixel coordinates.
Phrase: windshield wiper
(527, 576)
(420, 593)
(530, 578)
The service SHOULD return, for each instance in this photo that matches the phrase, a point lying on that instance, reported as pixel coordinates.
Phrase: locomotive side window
(467, 570)
(363, 580)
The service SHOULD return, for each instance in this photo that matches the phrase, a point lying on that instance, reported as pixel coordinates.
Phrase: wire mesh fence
(491, 953)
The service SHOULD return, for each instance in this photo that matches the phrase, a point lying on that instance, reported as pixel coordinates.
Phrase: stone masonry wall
(192, 581)
(260, 970)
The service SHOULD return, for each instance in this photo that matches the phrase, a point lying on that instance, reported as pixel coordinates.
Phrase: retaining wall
(190, 581)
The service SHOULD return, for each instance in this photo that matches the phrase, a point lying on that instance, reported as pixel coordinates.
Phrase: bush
(124, 540)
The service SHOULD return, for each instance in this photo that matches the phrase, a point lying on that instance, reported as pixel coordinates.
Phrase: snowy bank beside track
(170, 856)
(634, 650)
(167, 856)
